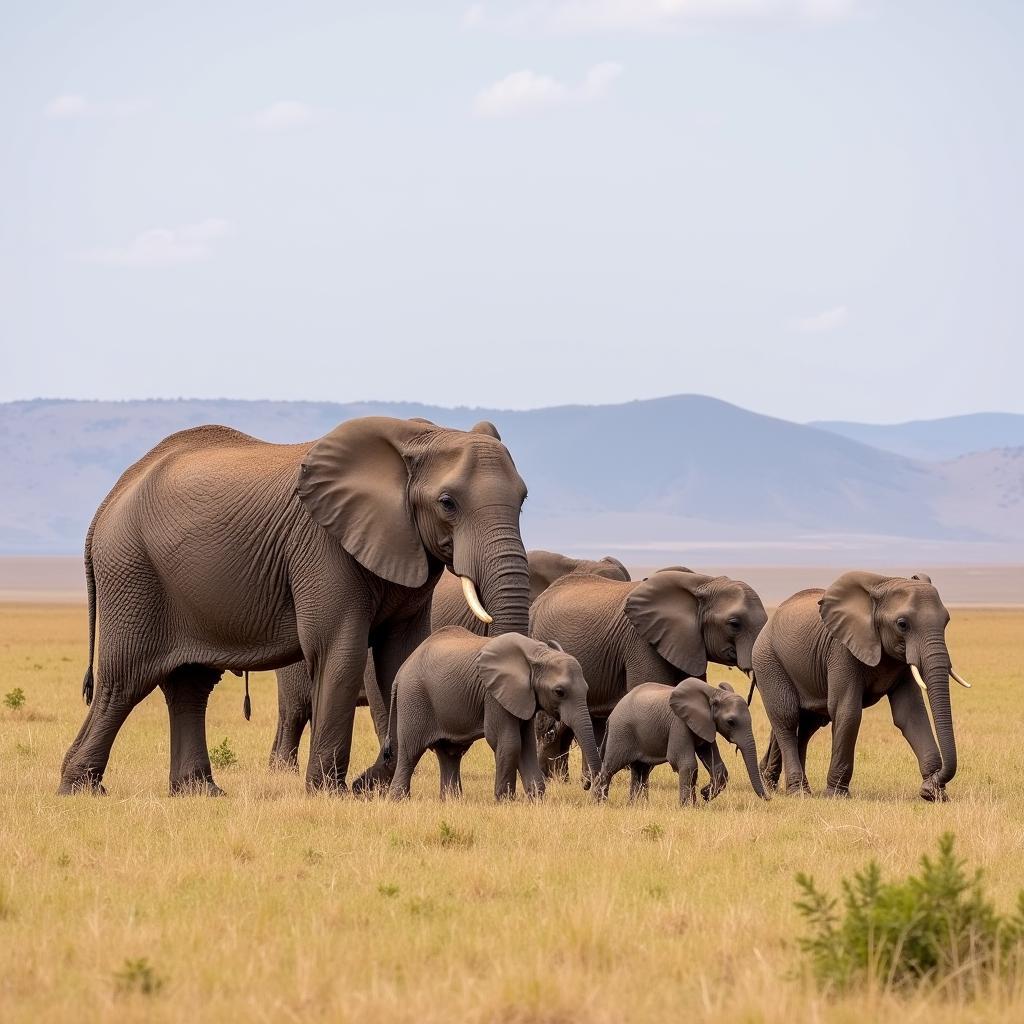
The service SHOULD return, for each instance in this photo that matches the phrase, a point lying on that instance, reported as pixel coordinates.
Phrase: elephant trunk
(749, 751)
(583, 730)
(935, 667)
(504, 580)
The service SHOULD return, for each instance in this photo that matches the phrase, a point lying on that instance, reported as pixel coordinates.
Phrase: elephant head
(708, 710)
(548, 566)
(905, 620)
(525, 676)
(405, 496)
(692, 619)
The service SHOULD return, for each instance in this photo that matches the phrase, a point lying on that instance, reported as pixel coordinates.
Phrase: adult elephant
(218, 551)
(448, 608)
(828, 654)
(659, 630)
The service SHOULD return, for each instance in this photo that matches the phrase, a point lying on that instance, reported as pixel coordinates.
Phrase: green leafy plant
(449, 835)
(222, 756)
(15, 699)
(652, 831)
(388, 889)
(936, 928)
(138, 976)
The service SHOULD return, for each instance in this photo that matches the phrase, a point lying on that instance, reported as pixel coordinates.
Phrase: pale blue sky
(807, 207)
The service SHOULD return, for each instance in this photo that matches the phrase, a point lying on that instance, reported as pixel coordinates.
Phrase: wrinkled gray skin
(217, 551)
(654, 724)
(458, 687)
(448, 608)
(658, 630)
(828, 654)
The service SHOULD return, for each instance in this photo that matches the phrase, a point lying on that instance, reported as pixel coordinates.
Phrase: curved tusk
(960, 679)
(469, 592)
(916, 673)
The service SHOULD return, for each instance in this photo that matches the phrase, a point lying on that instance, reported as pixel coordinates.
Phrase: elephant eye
(902, 625)
(447, 502)
(560, 692)
(734, 622)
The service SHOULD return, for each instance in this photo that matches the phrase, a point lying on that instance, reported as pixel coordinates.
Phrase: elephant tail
(753, 683)
(387, 746)
(602, 749)
(90, 585)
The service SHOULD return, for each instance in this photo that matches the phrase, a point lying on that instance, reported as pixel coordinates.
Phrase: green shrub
(15, 699)
(449, 835)
(138, 976)
(222, 756)
(935, 928)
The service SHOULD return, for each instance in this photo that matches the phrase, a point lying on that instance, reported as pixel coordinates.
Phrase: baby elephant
(457, 687)
(655, 723)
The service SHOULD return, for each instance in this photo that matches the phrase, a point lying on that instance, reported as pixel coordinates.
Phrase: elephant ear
(620, 571)
(922, 576)
(504, 667)
(486, 427)
(725, 686)
(690, 702)
(665, 611)
(848, 610)
(354, 483)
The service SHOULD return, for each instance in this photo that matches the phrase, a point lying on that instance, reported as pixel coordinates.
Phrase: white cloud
(524, 92)
(819, 323)
(163, 247)
(282, 115)
(71, 106)
(651, 15)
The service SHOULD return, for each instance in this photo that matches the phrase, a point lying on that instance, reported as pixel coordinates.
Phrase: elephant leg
(86, 761)
(553, 741)
(187, 692)
(389, 652)
(846, 715)
(294, 711)
(782, 703)
(408, 757)
(529, 766)
(910, 716)
(771, 764)
(639, 773)
(616, 757)
(337, 677)
(501, 730)
(687, 769)
(711, 758)
(449, 759)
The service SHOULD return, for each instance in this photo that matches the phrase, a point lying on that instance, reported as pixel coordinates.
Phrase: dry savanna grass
(270, 905)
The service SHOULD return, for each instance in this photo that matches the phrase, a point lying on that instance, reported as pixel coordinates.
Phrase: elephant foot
(710, 791)
(283, 762)
(837, 792)
(88, 786)
(326, 784)
(376, 780)
(771, 782)
(195, 785)
(933, 792)
(799, 789)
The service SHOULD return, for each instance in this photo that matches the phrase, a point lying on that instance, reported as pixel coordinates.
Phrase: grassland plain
(270, 905)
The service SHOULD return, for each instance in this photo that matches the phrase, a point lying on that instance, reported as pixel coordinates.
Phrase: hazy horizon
(807, 208)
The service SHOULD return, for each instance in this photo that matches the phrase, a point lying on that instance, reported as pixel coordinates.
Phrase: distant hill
(686, 474)
(935, 440)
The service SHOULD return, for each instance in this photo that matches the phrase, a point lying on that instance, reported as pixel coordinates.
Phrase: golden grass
(270, 905)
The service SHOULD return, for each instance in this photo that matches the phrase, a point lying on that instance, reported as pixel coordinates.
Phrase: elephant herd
(384, 563)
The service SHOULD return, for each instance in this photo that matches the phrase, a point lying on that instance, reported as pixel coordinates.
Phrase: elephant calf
(458, 687)
(655, 723)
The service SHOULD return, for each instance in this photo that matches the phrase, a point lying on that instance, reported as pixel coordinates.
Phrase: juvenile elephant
(655, 723)
(448, 608)
(458, 687)
(218, 551)
(659, 630)
(828, 654)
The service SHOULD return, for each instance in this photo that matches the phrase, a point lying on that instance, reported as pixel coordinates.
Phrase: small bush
(935, 928)
(449, 835)
(138, 976)
(15, 699)
(388, 889)
(652, 831)
(222, 756)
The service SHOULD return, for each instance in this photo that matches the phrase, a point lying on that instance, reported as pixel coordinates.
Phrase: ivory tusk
(963, 682)
(469, 592)
(916, 673)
